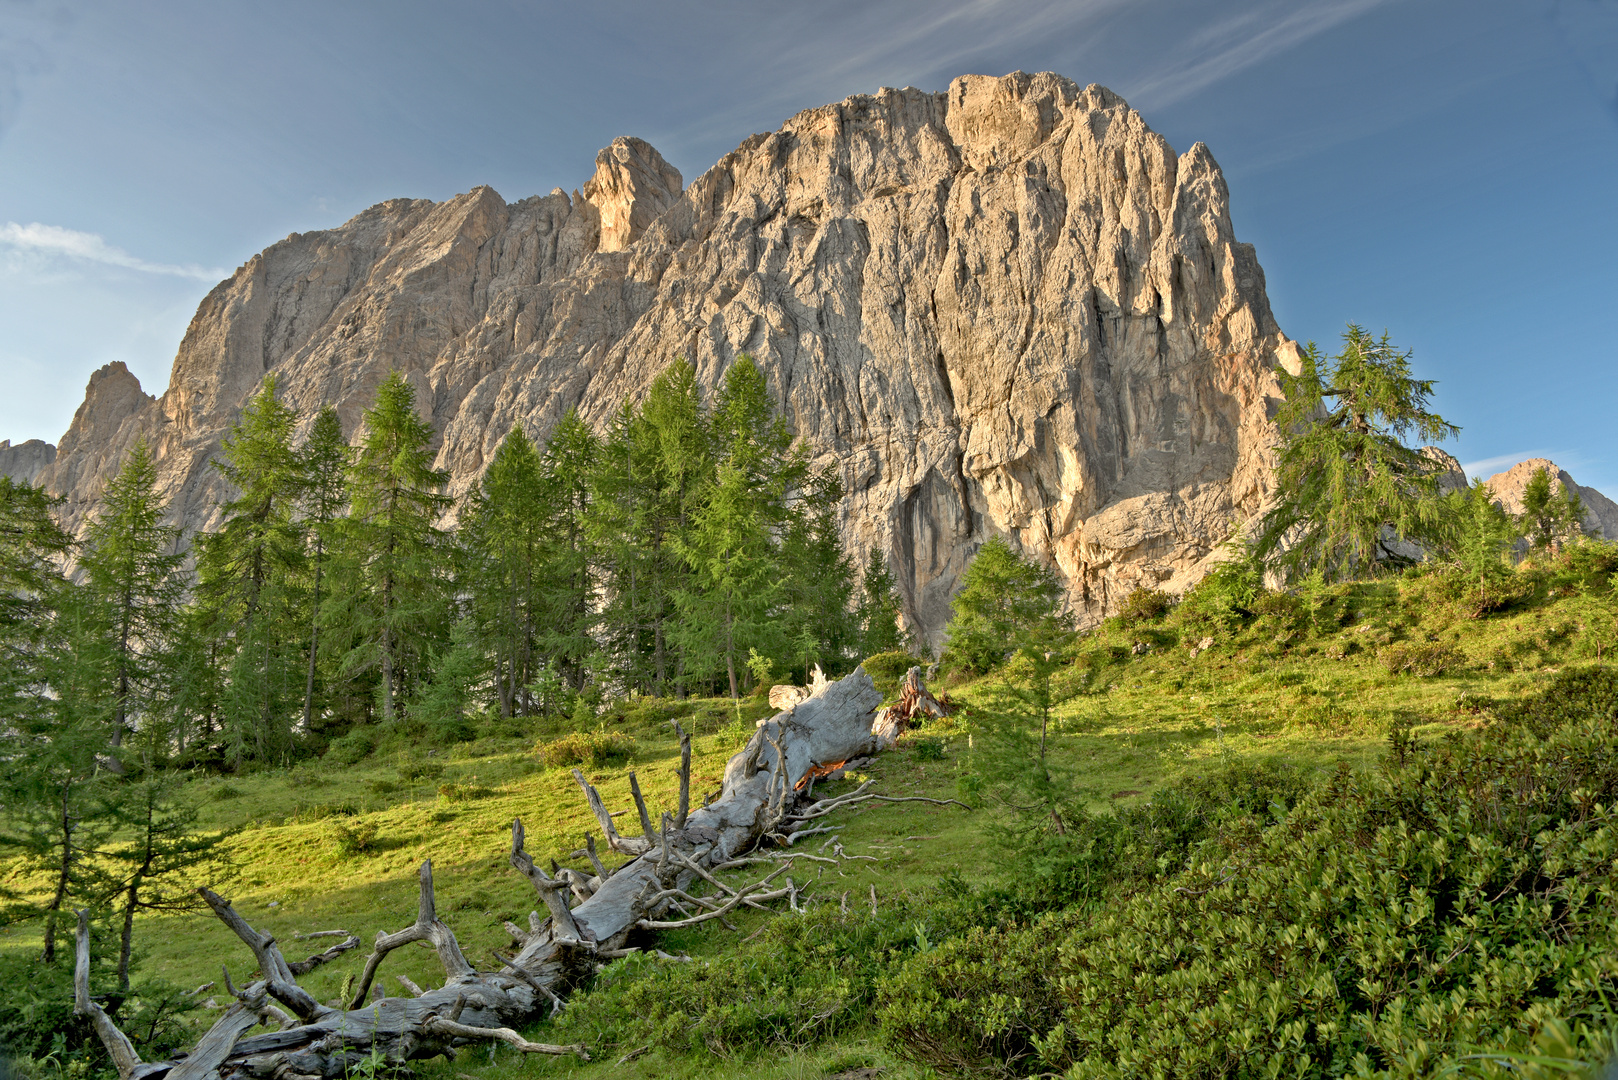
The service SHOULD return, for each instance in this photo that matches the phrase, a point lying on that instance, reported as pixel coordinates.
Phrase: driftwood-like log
(758, 800)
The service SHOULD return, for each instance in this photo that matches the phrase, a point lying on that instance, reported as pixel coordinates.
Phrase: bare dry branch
(278, 975)
(565, 929)
(117, 1043)
(685, 775)
(427, 927)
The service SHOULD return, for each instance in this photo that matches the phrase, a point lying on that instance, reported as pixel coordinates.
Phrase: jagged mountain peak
(1006, 308)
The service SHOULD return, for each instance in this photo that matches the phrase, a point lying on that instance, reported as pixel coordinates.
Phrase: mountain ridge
(1008, 308)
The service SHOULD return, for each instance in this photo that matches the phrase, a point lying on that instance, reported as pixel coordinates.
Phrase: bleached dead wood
(758, 801)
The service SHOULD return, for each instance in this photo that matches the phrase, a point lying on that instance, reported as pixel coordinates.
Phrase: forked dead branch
(664, 885)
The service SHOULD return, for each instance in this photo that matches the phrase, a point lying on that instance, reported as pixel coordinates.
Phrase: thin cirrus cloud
(1238, 43)
(53, 240)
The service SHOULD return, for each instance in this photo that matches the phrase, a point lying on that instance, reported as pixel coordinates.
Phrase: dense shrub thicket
(1389, 922)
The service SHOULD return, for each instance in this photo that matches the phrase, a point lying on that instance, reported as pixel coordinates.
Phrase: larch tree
(136, 583)
(502, 541)
(248, 580)
(1346, 482)
(567, 588)
(1552, 513)
(738, 583)
(880, 607)
(391, 606)
(324, 461)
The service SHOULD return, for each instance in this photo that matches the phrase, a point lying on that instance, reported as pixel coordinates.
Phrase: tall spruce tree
(248, 580)
(136, 584)
(728, 609)
(1345, 481)
(502, 537)
(819, 622)
(1552, 513)
(391, 609)
(880, 607)
(324, 461)
(567, 588)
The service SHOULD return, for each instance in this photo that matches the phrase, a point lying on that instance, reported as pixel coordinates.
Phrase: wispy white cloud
(1581, 466)
(90, 247)
(1239, 42)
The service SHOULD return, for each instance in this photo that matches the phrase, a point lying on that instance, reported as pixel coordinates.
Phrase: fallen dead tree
(672, 864)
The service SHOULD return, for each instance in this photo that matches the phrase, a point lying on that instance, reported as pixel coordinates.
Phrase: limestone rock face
(1600, 512)
(1005, 309)
(26, 460)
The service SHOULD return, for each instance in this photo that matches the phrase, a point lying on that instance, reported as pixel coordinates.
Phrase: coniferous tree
(390, 608)
(247, 580)
(880, 607)
(324, 459)
(1345, 481)
(1550, 516)
(502, 539)
(162, 858)
(727, 609)
(55, 819)
(32, 549)
(819, 621)
(682, 464)
(1004, 598)
(567, 591)
(135, 585)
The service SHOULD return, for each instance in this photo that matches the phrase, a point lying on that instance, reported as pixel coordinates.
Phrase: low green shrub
(592, 748)
(1425, 660)
(1223, 600)
(307, 813)
(224, 792)
(349, 839)
(353, 748)
(456, 793)
(887, 669)
(925, 747)
(1388, 924)
(1144, 605)
(412, 769)
(802, 980)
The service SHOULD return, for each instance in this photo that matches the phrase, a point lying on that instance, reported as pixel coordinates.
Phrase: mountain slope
(1008, 308)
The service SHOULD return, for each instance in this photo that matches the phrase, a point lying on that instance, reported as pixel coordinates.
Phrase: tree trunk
(757, 802)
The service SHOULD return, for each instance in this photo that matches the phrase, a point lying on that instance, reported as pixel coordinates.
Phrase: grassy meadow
(1150, 703)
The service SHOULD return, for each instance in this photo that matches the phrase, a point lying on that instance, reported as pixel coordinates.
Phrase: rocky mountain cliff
(1008, 308)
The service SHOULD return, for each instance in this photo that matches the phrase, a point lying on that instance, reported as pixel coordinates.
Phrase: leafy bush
(1390, 922)
(800, 981)
(352, 748)
(592, 748)
(1144, 605)
(411, 769)
(224, 792)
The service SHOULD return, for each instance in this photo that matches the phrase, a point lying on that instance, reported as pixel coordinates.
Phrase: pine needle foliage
(1347, 484)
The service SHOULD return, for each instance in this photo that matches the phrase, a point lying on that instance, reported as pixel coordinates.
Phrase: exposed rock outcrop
(1009, 308)
(26, 460)
(1600, 512)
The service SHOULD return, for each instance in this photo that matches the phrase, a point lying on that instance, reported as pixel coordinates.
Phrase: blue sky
(1444, 169)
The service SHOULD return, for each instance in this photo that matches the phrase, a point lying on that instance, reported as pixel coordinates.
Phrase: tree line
(690, 548)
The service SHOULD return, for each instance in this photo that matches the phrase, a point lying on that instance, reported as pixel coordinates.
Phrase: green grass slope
(1151, 703)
